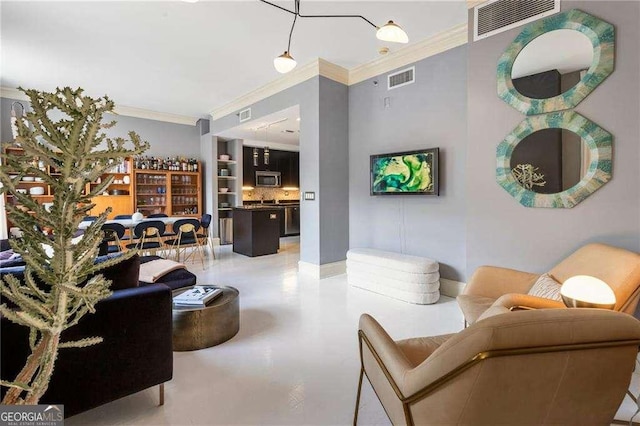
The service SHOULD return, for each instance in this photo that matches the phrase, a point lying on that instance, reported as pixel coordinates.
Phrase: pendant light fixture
(392, 32)
(284, 63)
(265, 151)
(255, 157)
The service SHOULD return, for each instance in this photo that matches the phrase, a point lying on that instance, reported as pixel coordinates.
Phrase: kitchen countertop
(260, 207)
(271, 204)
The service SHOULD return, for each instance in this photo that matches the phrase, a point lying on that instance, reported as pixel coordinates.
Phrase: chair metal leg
(355, 414)
(161, 395)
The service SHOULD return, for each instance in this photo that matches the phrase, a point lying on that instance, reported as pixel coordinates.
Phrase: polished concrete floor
(294, 361)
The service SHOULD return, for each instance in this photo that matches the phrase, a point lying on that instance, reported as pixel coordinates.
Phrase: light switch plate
(309, 195)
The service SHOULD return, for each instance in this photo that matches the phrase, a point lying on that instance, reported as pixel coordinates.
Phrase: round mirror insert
(552, 63)
(562, 48)
(570, 159)
(550, 161)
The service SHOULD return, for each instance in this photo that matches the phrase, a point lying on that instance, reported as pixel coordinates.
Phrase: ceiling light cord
(297, 13)
(291, 33)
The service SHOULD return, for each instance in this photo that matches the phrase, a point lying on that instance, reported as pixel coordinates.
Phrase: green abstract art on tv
(410, 172)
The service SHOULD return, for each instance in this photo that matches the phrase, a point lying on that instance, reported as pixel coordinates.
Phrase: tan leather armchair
(505, 288)
(547, 366)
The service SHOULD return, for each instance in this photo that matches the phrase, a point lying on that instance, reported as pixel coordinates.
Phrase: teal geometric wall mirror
(554, 160)
(555, 62)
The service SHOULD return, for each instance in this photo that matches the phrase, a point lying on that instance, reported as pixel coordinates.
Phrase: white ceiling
(189, 58)
(278, 130)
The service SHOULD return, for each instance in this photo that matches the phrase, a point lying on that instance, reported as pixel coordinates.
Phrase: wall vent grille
(496, 16)
(401, 78)
(245, 115)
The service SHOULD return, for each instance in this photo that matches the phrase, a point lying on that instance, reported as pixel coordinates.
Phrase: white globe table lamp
(584, 291)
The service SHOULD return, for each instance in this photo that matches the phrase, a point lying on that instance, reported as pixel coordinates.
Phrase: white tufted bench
(408, 278)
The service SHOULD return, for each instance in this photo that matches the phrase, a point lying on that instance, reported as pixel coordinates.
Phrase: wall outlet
(309, 195)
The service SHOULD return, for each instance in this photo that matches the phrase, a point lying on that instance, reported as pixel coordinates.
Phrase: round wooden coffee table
(202, 327)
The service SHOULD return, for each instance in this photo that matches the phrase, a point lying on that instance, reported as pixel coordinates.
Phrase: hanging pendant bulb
(266, 155)
(392, 32)
(284, 63)
(255, 157)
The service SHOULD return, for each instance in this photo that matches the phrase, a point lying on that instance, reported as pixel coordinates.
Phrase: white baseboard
(451, 288)
(322, 271)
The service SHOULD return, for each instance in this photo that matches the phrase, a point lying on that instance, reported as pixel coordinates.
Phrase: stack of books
(198, 296)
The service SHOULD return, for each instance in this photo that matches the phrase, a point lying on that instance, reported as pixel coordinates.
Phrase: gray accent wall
(166, 139)
(324, 238)
(432, 112)
(502, 232)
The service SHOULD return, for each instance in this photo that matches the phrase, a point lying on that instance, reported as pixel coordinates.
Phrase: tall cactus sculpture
(64, 132)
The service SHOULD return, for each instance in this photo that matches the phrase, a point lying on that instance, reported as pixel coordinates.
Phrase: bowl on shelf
(39, 179)
(224, 205)
(36, 190)
(224, 189)
(224, 157)
(28, 178)
(118, 192)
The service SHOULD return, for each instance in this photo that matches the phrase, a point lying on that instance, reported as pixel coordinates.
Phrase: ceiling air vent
(245, 115)
(496, 16)
(401, 78)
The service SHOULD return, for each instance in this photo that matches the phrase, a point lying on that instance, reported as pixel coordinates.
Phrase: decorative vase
(137, 216)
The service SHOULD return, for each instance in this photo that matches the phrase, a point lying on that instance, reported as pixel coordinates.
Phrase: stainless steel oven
(272, 179)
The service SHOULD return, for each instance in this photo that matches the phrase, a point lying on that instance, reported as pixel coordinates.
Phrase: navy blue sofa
(136, 325)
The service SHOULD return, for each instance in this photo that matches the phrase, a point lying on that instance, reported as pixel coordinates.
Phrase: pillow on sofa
(124, 274)
(546, 287)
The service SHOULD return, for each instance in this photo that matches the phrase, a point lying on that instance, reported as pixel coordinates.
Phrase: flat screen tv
(409, 172)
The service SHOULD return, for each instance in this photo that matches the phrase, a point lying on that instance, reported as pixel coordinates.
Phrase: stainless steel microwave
(272, 179)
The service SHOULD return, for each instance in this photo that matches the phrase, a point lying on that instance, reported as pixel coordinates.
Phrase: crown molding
(11, 93)
(292, 78)
(155, 115)
(453, 37)
(316, 67)
(334, 72)
(473, 3)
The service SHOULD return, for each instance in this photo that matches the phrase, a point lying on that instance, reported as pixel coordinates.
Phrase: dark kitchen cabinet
(285, 162)
(248, 171)
(256, 231)
(295, 169)
(290, 169)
